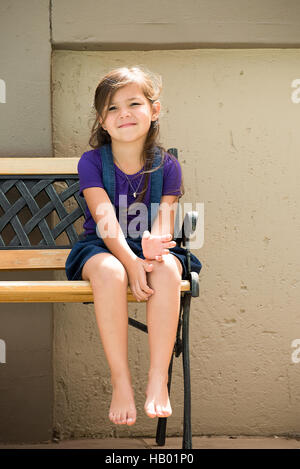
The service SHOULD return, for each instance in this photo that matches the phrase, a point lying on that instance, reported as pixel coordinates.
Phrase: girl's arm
(107, 223)
(157, 243)
(164, 222)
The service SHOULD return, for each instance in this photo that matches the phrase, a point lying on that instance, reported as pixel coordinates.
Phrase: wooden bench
(41, 214)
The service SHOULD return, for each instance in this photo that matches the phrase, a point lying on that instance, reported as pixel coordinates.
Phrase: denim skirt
(92, 244)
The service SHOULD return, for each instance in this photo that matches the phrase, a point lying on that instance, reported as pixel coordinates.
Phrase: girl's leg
(162, 320)
(108, 276)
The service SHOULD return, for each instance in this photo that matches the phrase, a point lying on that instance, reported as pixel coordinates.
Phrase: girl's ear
(101, 123)
(155, 110)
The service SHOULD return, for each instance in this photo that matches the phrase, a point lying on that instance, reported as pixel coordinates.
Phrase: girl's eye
(112, 108)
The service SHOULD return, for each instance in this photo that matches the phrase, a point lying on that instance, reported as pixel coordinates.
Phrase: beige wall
(25, 55)
(230, 114)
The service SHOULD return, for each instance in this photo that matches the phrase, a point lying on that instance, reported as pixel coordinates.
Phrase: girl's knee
(112, 270)
(106, 269)
(170, 268)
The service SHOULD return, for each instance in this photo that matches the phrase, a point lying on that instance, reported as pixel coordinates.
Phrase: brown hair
(151, 85)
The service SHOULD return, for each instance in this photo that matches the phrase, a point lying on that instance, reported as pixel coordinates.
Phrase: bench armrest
(188, 228)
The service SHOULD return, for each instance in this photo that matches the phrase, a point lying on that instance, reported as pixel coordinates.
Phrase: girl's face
(129, 115)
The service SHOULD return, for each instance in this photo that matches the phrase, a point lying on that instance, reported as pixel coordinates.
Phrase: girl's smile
(126, 125)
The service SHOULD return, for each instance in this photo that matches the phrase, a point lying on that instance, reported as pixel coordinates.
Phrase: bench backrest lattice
(27, 202)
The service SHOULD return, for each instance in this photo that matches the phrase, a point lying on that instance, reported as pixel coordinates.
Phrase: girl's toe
(167, 412)
(130, 420)
(159, 411)
(150, 410)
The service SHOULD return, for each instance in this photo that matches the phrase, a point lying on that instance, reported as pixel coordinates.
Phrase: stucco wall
(231, 116)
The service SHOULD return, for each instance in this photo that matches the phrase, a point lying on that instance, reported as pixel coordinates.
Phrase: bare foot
(122, 408)
(157, 403)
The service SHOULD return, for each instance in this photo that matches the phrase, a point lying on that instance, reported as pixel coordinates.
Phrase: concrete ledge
(174, 25)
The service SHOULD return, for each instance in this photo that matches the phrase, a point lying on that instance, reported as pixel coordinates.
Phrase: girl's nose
(124, 112)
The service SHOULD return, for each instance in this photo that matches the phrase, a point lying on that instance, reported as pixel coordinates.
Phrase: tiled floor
(202, 442)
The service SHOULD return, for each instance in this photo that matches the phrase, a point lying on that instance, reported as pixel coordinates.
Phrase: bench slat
(54, 291)
(38, 165)
(33, 259)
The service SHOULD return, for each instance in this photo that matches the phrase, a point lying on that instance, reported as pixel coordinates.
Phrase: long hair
(151, 85)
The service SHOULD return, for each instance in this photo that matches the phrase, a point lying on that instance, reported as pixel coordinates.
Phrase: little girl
(127, 163)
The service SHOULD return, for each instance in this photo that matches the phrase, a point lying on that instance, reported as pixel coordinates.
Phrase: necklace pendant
(134, 194)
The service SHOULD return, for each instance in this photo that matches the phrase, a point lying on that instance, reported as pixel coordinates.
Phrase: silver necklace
(134, 190)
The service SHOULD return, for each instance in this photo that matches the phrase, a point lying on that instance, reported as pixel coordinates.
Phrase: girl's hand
(136, 272)
(154, 246)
